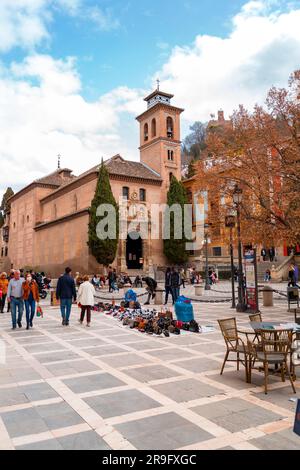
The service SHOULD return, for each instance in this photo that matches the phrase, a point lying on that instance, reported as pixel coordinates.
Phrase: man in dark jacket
(151, 288)
(65, 292)
(175, 284)
(168, 287)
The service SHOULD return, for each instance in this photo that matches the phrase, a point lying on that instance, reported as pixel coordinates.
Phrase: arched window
(142, 195)
(170, 155)
(146, 132)
(170, 177)
(153, 128)
(6, 251)
(170, 128)
(125, 192)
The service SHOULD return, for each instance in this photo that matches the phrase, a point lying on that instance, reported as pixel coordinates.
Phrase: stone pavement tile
(24, 374)
(236, 415)
(70, 368)
(121, 403)
(163, 432)
(209, 348)
(12, 396)
(23, 422)
(85, 343)
(36, 392)
(92, 382)
(127, 359)
(184, 339)
(284, 440)
(58, 415)
(237, 380)
(199, 365)
(37, 348)
(149, 373)
(51, 444)
(153, 344)
(186, 390)
(280, 397)
(83, 441)
(170, 354)
(59, 356)
(33, 340)
(104, 350)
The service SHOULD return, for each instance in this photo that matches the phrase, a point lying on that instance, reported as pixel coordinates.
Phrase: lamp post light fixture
(206, 242)
(237, 199)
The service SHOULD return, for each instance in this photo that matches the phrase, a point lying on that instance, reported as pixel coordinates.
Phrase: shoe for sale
(166, 333)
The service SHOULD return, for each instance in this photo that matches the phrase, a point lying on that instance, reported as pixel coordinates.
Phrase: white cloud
(42, 113)
(262, 49)
(24, 23)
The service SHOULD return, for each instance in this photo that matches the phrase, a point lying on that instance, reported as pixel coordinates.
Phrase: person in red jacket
(31, 298)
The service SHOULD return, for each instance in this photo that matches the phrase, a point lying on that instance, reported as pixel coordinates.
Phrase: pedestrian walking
(15, 298)
(183, 278)
(175, 284)
(31, 299)
(66, 292)
(263, 254)
(168, 286)
(11, 276)
(86, 299)
(3, 290)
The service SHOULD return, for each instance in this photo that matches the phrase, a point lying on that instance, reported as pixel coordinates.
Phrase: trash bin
(268, 296)
(198, 290)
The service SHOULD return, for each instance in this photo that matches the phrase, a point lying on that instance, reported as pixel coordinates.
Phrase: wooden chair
(234, 344)
(275, 350)
(256, 317)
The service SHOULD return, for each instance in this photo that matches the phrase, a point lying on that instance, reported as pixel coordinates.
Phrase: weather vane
(58, 161)
(158, 83)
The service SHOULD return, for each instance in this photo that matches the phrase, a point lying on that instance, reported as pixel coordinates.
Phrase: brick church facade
(47, 226)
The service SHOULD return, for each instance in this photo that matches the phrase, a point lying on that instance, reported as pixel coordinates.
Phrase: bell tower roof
(157, 97)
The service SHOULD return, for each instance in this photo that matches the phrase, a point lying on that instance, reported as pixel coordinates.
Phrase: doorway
(134, 251)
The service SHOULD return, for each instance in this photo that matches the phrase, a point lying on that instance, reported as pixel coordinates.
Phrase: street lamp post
(237, 199)
(230, 223)
(206, 240)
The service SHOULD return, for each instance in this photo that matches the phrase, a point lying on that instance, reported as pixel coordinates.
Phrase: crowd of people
(21, 290)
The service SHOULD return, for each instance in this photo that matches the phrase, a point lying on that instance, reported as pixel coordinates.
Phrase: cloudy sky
(73, 72)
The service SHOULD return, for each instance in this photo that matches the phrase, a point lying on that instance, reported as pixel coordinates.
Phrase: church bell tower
(160, 145)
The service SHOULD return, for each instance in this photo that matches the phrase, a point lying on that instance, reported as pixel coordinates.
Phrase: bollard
(159, 297)
(198, 290)
(268, 296)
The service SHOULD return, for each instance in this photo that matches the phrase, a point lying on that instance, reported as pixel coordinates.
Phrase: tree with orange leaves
(259, 151)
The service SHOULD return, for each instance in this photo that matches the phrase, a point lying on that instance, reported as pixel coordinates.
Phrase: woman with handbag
(86, 300)
(31, 298)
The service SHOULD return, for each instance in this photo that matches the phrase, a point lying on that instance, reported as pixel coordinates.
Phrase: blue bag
(130, 296)
(184, 309)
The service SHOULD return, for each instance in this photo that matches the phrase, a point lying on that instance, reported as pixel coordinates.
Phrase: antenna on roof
(158, 84)
(58, 161)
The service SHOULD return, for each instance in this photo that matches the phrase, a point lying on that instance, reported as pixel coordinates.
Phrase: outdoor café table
(273, 327)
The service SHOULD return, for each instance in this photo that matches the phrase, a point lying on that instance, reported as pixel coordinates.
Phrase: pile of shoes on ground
(148, 321)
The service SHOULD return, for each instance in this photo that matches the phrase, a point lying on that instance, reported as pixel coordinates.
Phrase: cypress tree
(103, 250)
(175, 250)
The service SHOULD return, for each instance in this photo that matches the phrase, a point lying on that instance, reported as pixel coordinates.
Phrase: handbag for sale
(39, 312)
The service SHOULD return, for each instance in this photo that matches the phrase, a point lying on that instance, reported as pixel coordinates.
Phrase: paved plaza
(109, 387)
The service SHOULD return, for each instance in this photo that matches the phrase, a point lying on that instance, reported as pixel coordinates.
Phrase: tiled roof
(118, 166)
(56, 178)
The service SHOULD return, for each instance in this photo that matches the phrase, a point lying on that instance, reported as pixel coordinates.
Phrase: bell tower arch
(160, 145)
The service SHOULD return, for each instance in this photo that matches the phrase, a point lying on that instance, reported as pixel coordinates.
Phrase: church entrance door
(134, 251)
